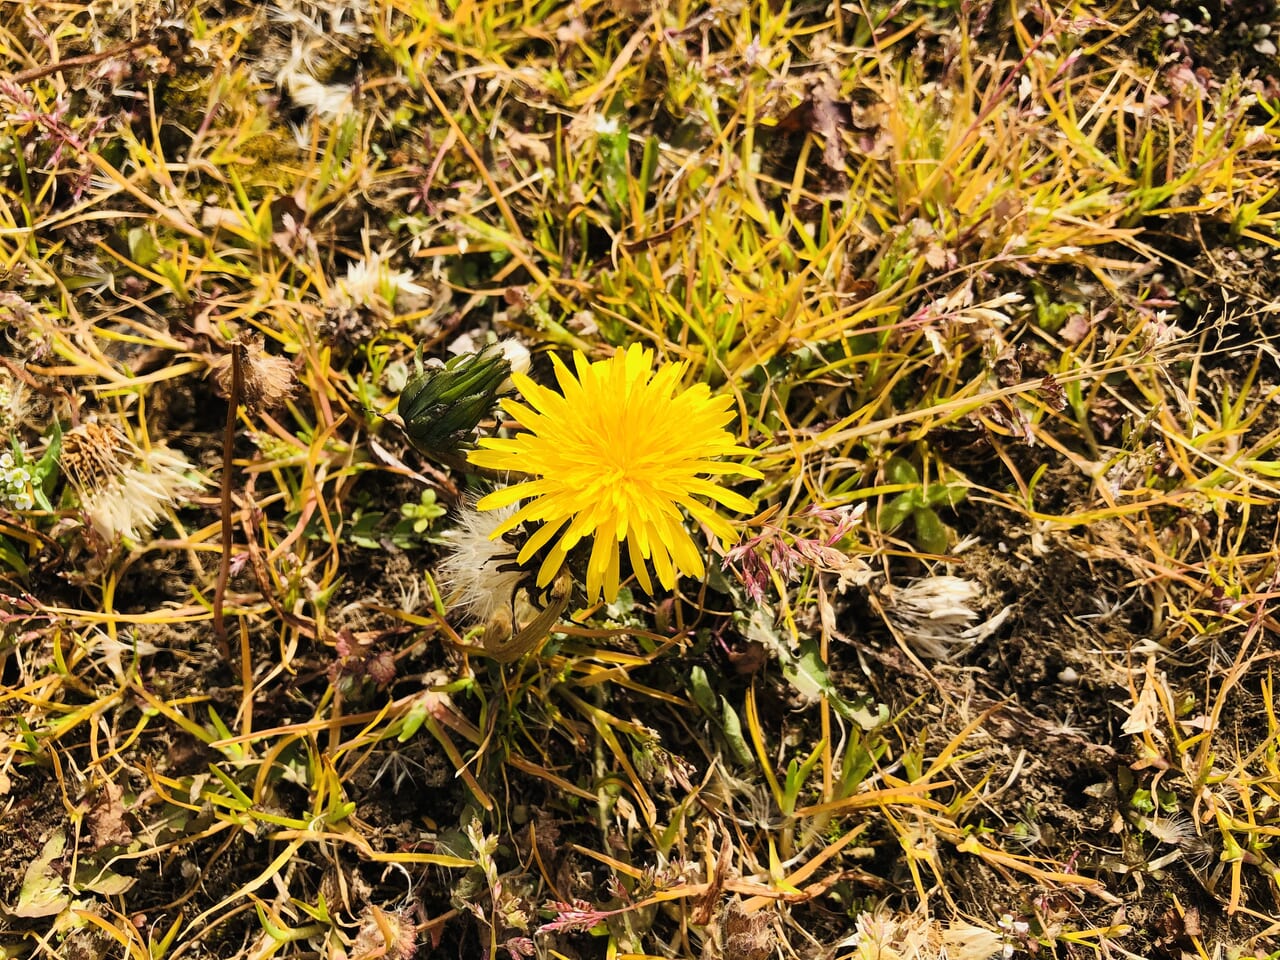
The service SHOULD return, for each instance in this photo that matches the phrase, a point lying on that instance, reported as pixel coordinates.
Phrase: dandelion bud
(440, 406)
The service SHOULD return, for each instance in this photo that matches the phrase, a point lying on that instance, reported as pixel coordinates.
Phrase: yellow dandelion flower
(616, 456)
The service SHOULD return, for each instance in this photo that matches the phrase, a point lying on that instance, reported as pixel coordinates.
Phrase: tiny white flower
(370, 282)
(16, 483)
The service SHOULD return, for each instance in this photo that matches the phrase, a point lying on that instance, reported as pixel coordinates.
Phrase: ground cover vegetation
(832, 511)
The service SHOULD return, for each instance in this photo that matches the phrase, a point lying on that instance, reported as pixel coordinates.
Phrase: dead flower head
(371, 283)
(14, 402)
(266, 380)
(935, 615)
(883, 935)
(386, 933)
(123, 489)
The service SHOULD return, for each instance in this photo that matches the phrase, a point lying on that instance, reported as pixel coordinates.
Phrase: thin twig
(228, 453)
(70, 63)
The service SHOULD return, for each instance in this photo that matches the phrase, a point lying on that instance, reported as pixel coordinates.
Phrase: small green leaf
(731, 727)
(945, 494)
(12, 557)
(894, 513)
(339, 810)
(45, 473)
(319, 912)
(615, 165)
(412, 721)
(700, 690)
(648, 164)
(809, 675)
(142, 247)
(860, 756)
(364, 531)
(239, 799)
(797, 774)
(104, 881)
(931, 533)
(42, 893)
(898, 470)
(1142, 802)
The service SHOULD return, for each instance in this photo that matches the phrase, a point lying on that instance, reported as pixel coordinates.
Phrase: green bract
(441, 406)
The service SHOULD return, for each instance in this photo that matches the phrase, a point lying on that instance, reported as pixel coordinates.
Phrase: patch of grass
(988, 671)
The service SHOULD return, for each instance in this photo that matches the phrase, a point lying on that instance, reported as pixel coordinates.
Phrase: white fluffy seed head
(935, 615)
(370, 282)
(480, 572)
(883, 935)
(1177, 830)
(124, 490)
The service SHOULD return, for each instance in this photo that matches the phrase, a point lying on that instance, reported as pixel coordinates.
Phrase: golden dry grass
(992, 290)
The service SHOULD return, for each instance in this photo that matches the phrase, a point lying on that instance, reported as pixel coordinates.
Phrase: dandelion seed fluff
(124, 490)
(936, 617)
(480, 571)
